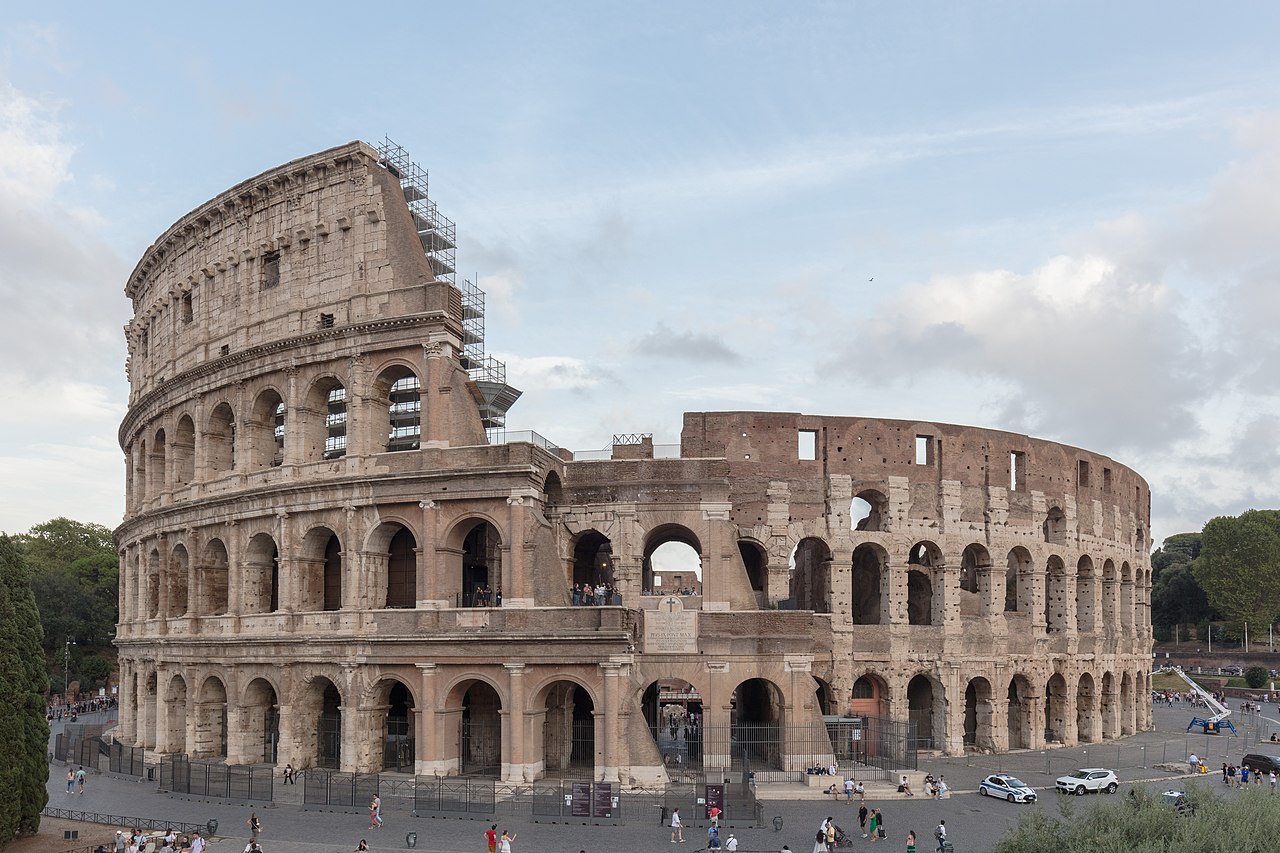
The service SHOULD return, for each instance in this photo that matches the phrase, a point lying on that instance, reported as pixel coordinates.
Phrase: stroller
(843, 839)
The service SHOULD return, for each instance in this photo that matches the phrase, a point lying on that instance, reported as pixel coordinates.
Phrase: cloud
(666, 343)
(552, 372)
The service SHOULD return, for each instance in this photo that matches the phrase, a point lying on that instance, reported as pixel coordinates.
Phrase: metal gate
(480, 742)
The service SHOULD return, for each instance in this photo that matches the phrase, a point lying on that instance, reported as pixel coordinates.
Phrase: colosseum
(335, 555)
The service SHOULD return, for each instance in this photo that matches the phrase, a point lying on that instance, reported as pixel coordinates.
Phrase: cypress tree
(24, 731)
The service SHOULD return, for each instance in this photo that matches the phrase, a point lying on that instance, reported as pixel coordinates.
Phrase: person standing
(198, 844)
(80, 780)
(731, 844)
(862, 818)
(831, 836)
(491, 838)
(375, 812)
(941, 835)
(713, 814)
(880, 831)
(873, 822)
(504, 843)
(677, 828)
(255, 826)
(71, 780)
(911, 841)
(848, 790)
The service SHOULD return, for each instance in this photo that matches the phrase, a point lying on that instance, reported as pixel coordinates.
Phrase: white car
(1088, 780)
(1007, 787)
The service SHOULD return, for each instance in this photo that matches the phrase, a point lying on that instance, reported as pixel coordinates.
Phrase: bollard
(411, 839)
(777, 823)
(211, 828)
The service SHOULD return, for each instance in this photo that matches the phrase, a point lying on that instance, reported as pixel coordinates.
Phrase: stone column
(290, 751)
(127, 725)
(428, 577)
(513, 768)
(426, 725)
(716, 715)
(235, 572)
(367, 749)
(517, 591)
(242, 725)
(609, 773)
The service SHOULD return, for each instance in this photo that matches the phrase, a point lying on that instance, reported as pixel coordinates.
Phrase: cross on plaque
(672, 603)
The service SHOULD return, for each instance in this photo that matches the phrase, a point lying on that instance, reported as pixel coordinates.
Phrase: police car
(1007, 787)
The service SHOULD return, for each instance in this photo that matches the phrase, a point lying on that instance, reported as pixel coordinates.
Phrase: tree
(1176, 596)
(75, 576)
(1239, 566)
(23, 683)
(1256, 676)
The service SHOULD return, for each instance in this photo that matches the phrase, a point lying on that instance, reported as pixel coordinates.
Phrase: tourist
(862, 817)
(491, 838)
(375, 812)
(362, 847)
(911, 841)
(677, 828)
(941, 835)
(731, 844)
(504, 843)
(71, 780)
(880, 831)
(80, 780)
(255, 826)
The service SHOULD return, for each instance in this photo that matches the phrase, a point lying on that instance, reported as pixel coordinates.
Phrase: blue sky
(1068, 211)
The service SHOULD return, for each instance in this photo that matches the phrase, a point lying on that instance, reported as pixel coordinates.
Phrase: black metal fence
(125, 820)
(181, 775)
(83, 745)
(329, 787)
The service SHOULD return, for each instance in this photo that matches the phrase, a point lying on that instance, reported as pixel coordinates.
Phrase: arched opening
(402, 569)
(481, 575)
(261, 575)
(870, 697)
(153, 584)
(149, 703)
(672, 561)
(756, 724)
(1087, 728)
(868, 562)
(1110, 726)
(480, 733)
(398, 749)
(569, 732)
(923, 711)
(1055, 526)
(1055, 709)
(1020, 702)
(1056, 597)
(673, 710)
(140, 473)
(975, 581)
(265, 431)
(1018, 592)
(183, 452)
(211, 720)
(211, 580)
(756, 563)
(1109, 593)
(324, 420)
(175, 713)
(811, 578)
(1126, 598)
(399, 390)
(332, 574)
(977, 715)
(1086, 595)
(868, 511)
(592, 562)
(156, 465)
(825, 698)
(553, 490)
(220, 441)
(329, 725)
(262, 722)
(1127, 706)
(177, 582)
(922, 608)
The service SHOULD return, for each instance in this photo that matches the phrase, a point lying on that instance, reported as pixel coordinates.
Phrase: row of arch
(1085, 599)
(274, 431)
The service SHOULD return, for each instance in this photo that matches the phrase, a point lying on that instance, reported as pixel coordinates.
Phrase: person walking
(911, 841)
(873, 822)
(504, 843)
(862, 818)
(198, 844)
(831, 836)
(71, 780)
(375, 812)
(880, 830)
(80, 780)
(731, 844)
(491, 838)
(940, 834)
(677, 828)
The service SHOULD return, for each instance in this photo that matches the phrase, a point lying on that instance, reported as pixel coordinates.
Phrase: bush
(1256, 677)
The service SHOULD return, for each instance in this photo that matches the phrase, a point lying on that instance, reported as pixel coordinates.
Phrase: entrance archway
(756, 724)
(868, 560)
(593, 559)
(211, 720)
(481, 578)
(1107, 710)
(262, 722)
(673, 711)
(925, 708)
(569, 732)
(329, 726)
(811, 577)
(1019, 697)
(1055, 709)
(977, 715)
(480, 731)
(1086, 710)
(397, 728)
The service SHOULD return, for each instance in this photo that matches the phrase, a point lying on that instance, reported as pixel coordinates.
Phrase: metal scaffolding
(438, 236)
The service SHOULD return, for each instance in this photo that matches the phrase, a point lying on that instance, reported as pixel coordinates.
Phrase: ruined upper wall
(962, 476)
(325, 241)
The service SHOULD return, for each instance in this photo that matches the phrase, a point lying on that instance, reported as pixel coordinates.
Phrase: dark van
(1256, 762)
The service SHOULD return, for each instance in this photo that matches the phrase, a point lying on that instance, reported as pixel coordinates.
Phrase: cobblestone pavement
(974, 822)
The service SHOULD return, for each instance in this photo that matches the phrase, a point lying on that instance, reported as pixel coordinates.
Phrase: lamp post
(66, 670)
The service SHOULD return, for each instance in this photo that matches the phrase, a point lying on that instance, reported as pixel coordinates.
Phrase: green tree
(23, 684)
(76, 576)
(1256, 676)
(1176, 596)
(1239, 566)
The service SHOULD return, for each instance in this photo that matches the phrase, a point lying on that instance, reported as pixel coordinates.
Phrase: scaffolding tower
(438, 236)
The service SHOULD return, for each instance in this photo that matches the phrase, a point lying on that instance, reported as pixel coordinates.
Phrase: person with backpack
(941, 835)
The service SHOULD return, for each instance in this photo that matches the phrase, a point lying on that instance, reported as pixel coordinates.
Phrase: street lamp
(66, 670)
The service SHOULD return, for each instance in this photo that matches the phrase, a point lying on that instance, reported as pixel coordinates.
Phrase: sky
(1053, 218)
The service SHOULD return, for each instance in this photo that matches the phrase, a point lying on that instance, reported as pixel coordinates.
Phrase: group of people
(498, 843)
(74, 778)
(71, 710)
(482, 596)
(593, 596)
(684, 590)
(1242, 776)
(136, 841)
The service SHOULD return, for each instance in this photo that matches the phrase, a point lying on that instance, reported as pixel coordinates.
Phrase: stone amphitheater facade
(312, 497)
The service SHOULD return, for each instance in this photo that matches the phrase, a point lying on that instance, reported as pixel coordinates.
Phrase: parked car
(1007, 787)
(1088, 780)
(1259, 763)
(1177, 799)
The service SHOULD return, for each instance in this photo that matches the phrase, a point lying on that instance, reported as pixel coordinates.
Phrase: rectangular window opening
(808, 439)
(1106, 479)
(1017, 470)
(188, 310)
(924, 449)
(326, 321)
(225, 349)
(270, 270)
(1082, 474)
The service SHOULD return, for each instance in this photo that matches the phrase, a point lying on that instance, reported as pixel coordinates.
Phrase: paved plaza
(974, 822)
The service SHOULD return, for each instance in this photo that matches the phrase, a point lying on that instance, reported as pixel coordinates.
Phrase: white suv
(1089, 779)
